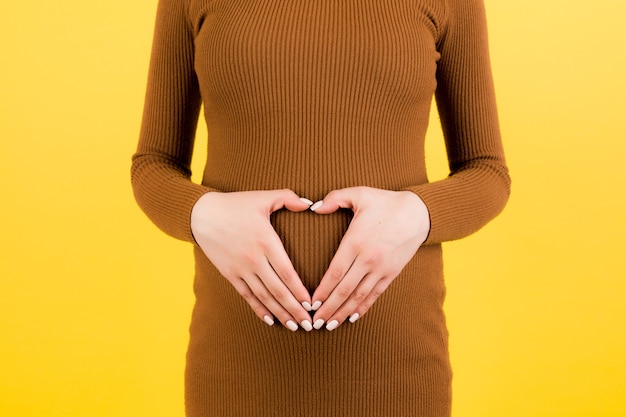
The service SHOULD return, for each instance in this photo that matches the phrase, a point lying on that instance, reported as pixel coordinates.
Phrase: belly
(311, 240)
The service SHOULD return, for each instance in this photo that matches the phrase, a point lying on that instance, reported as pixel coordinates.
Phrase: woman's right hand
(234, 232)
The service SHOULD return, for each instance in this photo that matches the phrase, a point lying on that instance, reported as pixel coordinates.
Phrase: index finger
(279, 261)
(339, 266)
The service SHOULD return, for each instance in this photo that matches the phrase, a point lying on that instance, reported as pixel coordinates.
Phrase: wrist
(199, 213)
(421, 212)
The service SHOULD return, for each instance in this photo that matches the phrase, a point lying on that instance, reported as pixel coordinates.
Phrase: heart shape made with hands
(384, 233)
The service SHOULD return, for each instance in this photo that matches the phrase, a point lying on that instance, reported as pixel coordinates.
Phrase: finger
(289, 200)
(339, 266)
(258, 307)
(379, 288)
(283, 296)
(355, 306)
(333, 201)
(344, 290)
(283, 268)
(266, 298)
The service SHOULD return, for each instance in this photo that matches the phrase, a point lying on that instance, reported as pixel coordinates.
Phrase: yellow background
(95, 301)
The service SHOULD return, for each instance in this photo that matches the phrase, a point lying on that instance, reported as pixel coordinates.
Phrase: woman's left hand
(387, 229)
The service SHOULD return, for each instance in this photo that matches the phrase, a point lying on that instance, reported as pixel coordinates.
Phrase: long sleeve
(160, 171)
(478, 186)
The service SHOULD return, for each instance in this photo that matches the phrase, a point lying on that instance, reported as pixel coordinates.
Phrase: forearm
(165, 193)
(465, 201)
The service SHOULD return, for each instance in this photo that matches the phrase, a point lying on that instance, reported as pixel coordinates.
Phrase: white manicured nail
(316, 305)
(291, 325)
(268, 320)
(306, 201)
(354, 317)
(332, 325)
(307, 306)
(318, 324)
(317, 205)
(306, 325)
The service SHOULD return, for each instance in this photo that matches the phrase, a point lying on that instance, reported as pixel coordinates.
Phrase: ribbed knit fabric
(315, 96)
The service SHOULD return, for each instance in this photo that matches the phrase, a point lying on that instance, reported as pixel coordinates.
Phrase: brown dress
(315, 96)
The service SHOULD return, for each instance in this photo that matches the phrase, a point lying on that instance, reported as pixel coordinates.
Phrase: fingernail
(354, 317)
(318, 324)
(332, 325)
(306, 325)
(307, 306)
(268, 320)
(306, 201)
(316, 205)
(291, 325)
(316, 305)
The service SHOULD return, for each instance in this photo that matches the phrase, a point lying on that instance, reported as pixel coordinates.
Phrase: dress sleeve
(160, 171)
(478, 186)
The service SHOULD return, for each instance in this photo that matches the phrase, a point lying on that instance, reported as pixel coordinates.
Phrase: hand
(234, 232)
(387, 229)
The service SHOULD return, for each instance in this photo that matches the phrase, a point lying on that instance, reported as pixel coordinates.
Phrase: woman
(328, 102)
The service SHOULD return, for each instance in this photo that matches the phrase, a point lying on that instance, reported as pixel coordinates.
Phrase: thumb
(290, 200)
(344, 198)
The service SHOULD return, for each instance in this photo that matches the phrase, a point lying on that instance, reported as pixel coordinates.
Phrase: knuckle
(360, 295)
(286, 275)
(352, 244)
(280, 295)
(386, 281)
(344, 292)
(264, 296)
(250, 258)
(248, 296)
(268, 242)
(373, 257)
(335, 274)
(376, 293)
(263, 244)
